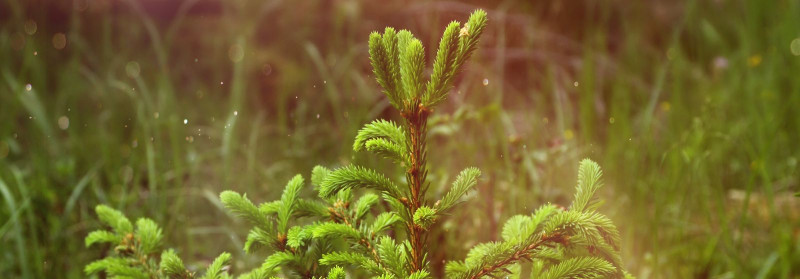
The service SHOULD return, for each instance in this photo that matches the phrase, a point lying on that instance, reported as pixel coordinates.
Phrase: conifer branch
(443, 66)
(463, 183)
(337, 273)
(314, 238)
(578, 231)
(385, 138)
(172, 266)
(582, 267)
(589, 174)
(412, 66)
(406, 60)
(351, 177)
(382, 68)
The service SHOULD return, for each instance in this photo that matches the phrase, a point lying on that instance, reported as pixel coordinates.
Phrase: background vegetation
(154, 107)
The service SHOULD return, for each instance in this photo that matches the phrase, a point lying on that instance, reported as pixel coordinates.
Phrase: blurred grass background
(154, 107)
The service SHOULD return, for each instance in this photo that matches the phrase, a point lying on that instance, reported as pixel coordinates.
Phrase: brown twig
(555, 238)
(416, 116)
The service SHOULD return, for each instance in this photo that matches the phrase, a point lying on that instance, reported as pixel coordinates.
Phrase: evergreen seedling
(338, 235)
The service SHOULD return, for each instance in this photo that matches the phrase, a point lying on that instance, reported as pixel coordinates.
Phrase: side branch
(521, 254)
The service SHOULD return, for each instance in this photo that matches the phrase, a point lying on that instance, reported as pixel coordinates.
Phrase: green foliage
(317, 238)
(351, 258)
(583, 267)
(455, 48)
(258, 238)
(172, 265)
(424, 217)
(382, 68)
(412, 66)
(215, 270)
(384, 221)
(354, 177)
(337, 273)
(102, 237)
(137, 252)
(443, 66)
(574, 243)
(384, 138)
(336, 230)
(278, 259)
(149, 235)
(364, 204)
(421, 274)
(393, 257)
(114, 219)
(289, 203)
(243, 207)
(589, 175)
(467, 179)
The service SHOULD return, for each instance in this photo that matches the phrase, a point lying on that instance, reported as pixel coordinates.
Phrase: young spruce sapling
(320, 237)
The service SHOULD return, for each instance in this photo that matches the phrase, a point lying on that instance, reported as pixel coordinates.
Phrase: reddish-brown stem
(417, 121)
(364, 242)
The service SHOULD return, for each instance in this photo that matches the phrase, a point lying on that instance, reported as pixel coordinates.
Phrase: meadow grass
(690, 108)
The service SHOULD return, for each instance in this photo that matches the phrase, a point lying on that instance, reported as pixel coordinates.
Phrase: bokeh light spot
(672, 53)
(133, 69)
(63, 122)
(80, 5)
(754, 60)
(794, 47)
(59, 41)
(266, 69)
(236, 53)
(569, 134)
(30, 27)
(665, 106)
